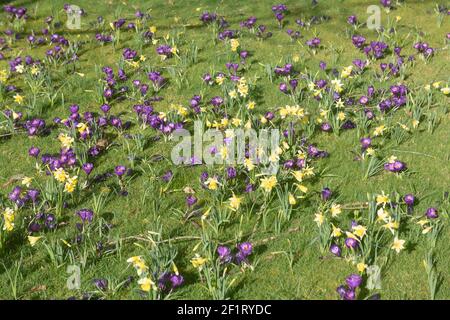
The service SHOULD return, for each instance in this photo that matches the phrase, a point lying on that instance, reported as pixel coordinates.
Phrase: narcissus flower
(234, 44)
(335, 210)
(383, 199)
(60, 175)
(198, 261)
(8, 217)
(269, 183)
(33, 240)
(147, 284)
(235, 202)
(398, 245)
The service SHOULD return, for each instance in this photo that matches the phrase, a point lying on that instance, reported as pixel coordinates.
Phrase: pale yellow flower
(33, 240)
(398, 245)
(269, 183)
(335, 210)
(234, 44)
(198, 261)
(383, 199)
(212, 183)
(71, 184)
(379, 130)
(359, 231)
(66, 140)
(8, 218)
(60, 175)
(18, 98)
(235, 202)
(291, 199)
(26, 181)
(147, 284)
(319, 218)
(337, 232)
(251, 105)
(361, 267)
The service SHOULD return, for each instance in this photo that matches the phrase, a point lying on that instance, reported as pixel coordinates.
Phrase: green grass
(311, 277)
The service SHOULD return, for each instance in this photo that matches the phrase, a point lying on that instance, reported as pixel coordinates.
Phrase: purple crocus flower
(34, 152)
(409, 199)
(167, 176)
(101, 284)
(86, 215)
(341, 290)
(191, 200)
(176, 280)
(336, 250)
(431, 213)
(326, 127)
(326, 194)
(224, 253)
(231, 173)
(245, 248)
(87, 168)
(352, 20)
(366, 142)
(33, 194)
(353, 281)
(351, 243)
(120, 170)
(350, 295)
